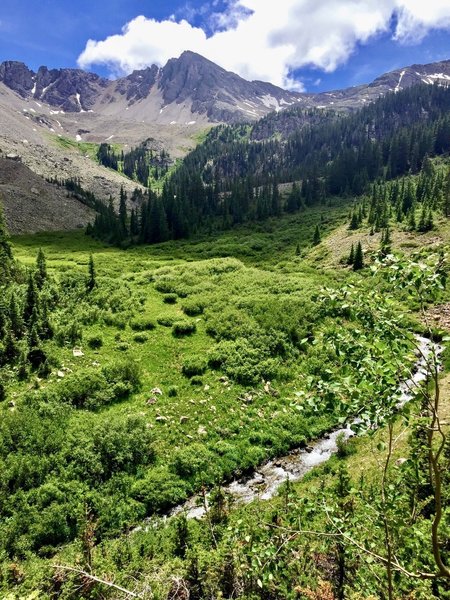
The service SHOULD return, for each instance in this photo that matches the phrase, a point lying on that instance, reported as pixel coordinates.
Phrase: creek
(264, 482)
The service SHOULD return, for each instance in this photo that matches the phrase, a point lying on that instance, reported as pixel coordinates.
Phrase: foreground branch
(98, 580)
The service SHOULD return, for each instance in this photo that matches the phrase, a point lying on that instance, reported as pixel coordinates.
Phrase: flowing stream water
(264, 482)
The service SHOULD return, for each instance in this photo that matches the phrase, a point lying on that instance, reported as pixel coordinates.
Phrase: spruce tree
(15, 318)
(31, 301)
(351, 256)
(41, 269)
(316, 237)
(358, 262)
(5, 247)
(91, 282)
(354, 221)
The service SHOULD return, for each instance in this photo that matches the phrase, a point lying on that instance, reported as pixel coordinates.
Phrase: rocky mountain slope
(189, 88)
(31, 204)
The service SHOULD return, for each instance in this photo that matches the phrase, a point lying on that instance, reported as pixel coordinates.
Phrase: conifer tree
(41, 269)
(386, 241)
(354, 221)
(351, 256)
(358, 262)
(91, 282)
(15, 318)
(31, 301)
(5, 247)
(316, 237)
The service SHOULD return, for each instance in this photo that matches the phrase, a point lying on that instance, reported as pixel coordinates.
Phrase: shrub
(195, 365)
(165, 321)
(172, 391)
(142, 324)
(123, 346)
(140, 338)
(192, 308)
(160, 490)
(114, 320)
(95, 342)
(70, 333)
(191, 460)
(181, 328)
(170, 298)
(196, 381)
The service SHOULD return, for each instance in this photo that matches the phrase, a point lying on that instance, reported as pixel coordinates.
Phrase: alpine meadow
(224, 332)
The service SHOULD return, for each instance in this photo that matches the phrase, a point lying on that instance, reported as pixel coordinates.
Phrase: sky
(306, 45)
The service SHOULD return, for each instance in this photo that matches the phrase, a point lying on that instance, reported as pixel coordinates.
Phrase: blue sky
(305, 44)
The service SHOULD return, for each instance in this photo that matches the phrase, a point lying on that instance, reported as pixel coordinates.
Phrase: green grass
(86, 148)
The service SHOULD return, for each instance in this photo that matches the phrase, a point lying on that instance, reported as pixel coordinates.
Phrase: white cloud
(259, 39)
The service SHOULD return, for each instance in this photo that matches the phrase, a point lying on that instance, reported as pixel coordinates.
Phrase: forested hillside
(233, 178)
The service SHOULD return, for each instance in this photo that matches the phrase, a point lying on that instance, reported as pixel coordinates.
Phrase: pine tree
(354, 222)
(31, 301)
(123, 220)
(5, 247)
(41, 269)
(316, 237)
(15, 318)
(386, 241)
(358, 262)
(351, 256)
(91, 282)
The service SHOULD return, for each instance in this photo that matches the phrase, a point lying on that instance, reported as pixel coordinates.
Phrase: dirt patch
(439, 316)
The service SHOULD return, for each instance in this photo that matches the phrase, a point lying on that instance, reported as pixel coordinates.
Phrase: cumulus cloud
(262, 40)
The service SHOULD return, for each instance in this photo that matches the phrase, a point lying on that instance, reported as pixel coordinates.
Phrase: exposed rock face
(222, 95)
(18, 77)
(138, 85)
(71, 90)
(202, 88)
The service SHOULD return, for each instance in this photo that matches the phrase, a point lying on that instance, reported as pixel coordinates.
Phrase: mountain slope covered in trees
(232, 177)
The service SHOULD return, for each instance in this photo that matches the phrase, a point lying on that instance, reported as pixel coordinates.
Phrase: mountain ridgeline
(234, 175)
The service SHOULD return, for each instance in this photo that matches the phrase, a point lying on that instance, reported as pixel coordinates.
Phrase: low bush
(182, 328)
(170, 298)
(165, 321)
(95, 342)
(142, 324)
(140, 338)
(172, 392)
(192, 308)
(194, 365)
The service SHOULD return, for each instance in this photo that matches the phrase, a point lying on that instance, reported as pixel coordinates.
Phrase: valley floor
(190, 363)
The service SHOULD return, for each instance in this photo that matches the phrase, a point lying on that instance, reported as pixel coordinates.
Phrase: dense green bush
(194, 365)
(160, 489)
(140, 338)
(170, 298)
(165, 321)
(142, 324)
(192, 308)
(95, 342)
(182, 328)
